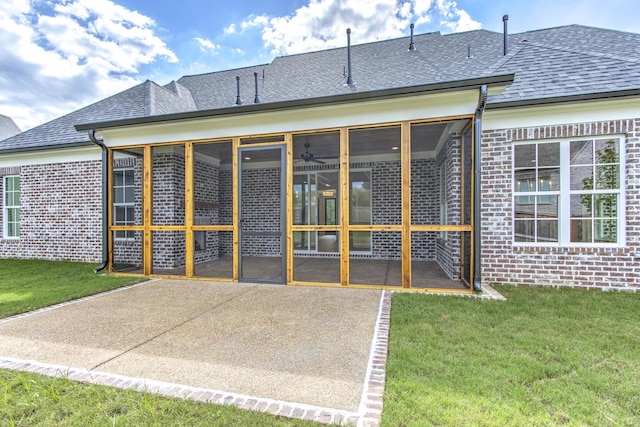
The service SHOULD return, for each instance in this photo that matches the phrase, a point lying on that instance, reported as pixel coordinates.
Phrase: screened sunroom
(385, 206)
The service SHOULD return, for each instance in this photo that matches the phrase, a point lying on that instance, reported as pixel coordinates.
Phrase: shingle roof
(145, 99)
(376, 66)
(569, 61)
(556, 62)
(7, 127)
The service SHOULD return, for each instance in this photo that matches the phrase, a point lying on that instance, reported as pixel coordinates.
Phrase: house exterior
(422, 163)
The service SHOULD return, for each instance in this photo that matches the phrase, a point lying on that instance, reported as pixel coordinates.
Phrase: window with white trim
(124, 202)
(568, 192)
(11, 203)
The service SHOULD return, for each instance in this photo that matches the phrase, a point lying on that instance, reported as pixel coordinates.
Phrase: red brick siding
(603, 268)
(61, 213)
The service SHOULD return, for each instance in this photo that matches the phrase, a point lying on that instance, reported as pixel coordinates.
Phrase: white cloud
(56, 57)
(322, 24)
(206, 45)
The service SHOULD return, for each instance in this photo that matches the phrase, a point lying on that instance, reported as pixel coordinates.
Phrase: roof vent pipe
(412, 45)
(256, 100)
(349, 76)
(505, 18)
(238, 100)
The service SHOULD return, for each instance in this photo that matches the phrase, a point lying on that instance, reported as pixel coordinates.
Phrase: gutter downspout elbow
(477, 189)
(105, 206)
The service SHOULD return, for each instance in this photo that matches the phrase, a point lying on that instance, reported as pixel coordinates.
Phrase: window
(123, 201)
(595, 190)
(568, 192)
(11, 206)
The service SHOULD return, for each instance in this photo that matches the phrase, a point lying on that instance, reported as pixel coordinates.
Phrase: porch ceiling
(425, 137)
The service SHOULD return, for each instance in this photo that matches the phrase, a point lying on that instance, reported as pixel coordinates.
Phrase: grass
(544, 357)
(27, 285)
(34, 400)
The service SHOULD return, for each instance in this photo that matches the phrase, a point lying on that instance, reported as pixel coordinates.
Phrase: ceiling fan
(308, 156)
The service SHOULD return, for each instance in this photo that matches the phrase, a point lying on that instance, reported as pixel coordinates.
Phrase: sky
(57, 56)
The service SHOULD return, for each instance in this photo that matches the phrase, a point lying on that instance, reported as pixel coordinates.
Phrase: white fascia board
(559, 114)
(417, 107)
(45, 157)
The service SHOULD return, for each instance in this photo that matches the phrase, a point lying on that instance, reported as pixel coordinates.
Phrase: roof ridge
(225, 71)
(506, 58)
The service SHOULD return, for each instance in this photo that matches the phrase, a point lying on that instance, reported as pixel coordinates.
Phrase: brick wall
(604, 267)
(61, 212)
(448, 249)
(261, 211)
(226, 210)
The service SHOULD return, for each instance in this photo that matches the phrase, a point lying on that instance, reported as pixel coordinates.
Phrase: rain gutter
(105, 204)
(477, 189)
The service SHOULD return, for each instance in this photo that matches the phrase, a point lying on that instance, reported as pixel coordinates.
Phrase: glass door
(262, 214)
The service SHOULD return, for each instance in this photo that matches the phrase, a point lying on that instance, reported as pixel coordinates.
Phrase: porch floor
(425, 274)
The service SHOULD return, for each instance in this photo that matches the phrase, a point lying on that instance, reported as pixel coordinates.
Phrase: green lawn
(27, 285)
(544, 357)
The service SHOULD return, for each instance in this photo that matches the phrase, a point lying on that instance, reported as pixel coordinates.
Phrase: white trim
(564, 195)
(450, 104)
(53, 156)
(5, 208)
(561, 114)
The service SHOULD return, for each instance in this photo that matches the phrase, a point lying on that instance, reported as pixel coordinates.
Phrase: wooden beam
(288, 138)
(405, 169)
(147, 210)
(344, 206)
(436, 227)
(189, 195)
(387, 227)
(234, 182)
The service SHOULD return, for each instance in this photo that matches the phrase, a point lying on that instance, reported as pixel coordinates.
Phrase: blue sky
(59, 55)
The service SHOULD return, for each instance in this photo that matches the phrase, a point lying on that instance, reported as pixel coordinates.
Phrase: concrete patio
(312, 353)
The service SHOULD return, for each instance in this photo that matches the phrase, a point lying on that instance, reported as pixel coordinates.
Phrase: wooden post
(147, 210)
(234, 180)
(344, 206)
(288, 140)
(405, 169)
(189, 208)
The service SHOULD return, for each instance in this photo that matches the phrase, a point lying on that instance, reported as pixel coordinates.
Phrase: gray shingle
(555, 62)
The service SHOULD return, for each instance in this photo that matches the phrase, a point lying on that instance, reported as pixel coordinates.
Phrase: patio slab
(310, 346)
